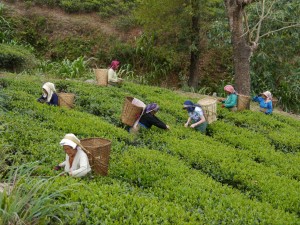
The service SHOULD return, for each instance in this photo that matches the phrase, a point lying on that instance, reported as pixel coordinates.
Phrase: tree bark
(195, 46)
(242, 50)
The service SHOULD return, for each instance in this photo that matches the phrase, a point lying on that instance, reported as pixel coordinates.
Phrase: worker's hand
(57, 167)
(223, 106)
(168, 128)
(186, 124)
(193, 126)
(70, 173)
(220, 99)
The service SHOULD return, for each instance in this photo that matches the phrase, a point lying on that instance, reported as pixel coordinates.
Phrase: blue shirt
(267, 106)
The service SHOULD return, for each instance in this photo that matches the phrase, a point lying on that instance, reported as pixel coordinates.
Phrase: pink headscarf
(229, 88)
(114, 64)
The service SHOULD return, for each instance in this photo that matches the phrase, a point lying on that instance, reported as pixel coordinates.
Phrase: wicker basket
(98, 151)
(209, 106)
(101, 76)
(132, 108)
(66, 100)
(243, 102)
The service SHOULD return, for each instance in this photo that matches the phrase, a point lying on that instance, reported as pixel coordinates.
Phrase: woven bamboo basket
(209, 106)
(66, 100)
(243, 102)
(101, 76)
(98, 151)
(132, 109)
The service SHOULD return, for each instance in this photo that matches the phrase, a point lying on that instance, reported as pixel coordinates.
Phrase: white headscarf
(50, 88)
(70, 140)
(268, 95)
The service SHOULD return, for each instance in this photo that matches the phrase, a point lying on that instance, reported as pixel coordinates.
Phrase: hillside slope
(246, 171)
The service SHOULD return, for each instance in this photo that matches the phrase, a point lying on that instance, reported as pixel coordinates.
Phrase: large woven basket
(132, 109)
(98, 151)
(101, 76)
(243, 102)
(66, 100)
(209, 106)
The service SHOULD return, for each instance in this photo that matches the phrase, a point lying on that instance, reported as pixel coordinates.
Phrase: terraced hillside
(245, 171)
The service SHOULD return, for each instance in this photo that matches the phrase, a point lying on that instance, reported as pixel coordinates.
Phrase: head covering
(50, 88)
(189, 105)
(151, 107)
(70, 140)
(114, 64)
(229, 88)
(267, 94)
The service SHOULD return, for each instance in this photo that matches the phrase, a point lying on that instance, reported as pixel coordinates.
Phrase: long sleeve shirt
(53, 101)
(230, 101)
(149, 119)
(266, 106)
(80, 166)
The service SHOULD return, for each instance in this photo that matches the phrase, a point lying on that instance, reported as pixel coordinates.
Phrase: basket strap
(137, 121)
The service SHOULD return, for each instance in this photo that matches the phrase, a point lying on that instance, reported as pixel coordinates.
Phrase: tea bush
(245, 172)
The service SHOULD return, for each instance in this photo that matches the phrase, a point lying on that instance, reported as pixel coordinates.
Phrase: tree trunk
(195, 46)
(241, 49)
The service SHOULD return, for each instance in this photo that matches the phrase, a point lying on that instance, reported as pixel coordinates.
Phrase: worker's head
(69, 143)
(189, 106)
(266, 95)
(115, 64)
(152, 108)
(229, 89)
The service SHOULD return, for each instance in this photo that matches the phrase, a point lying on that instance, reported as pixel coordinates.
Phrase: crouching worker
(113, 78)
(148, 118)
(231, 101)
(76, 163)
(49, 94)
(265, 102)
(196, 116)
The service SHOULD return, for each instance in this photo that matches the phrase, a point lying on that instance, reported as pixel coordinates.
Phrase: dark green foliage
(15, 58)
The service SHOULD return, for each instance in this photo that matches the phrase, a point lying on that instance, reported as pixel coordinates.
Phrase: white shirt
(112, 75)
(80, 166)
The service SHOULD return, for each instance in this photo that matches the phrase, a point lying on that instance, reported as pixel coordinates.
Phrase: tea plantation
(246, 170)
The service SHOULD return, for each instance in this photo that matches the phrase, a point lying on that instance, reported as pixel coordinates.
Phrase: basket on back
(209, 106)
(98, 151)
(101, 76)
(132, 109)
(243, 102)
(66, 100)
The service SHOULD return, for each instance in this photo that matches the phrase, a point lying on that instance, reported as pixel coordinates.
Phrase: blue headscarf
(151, 107)
(189, 106)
